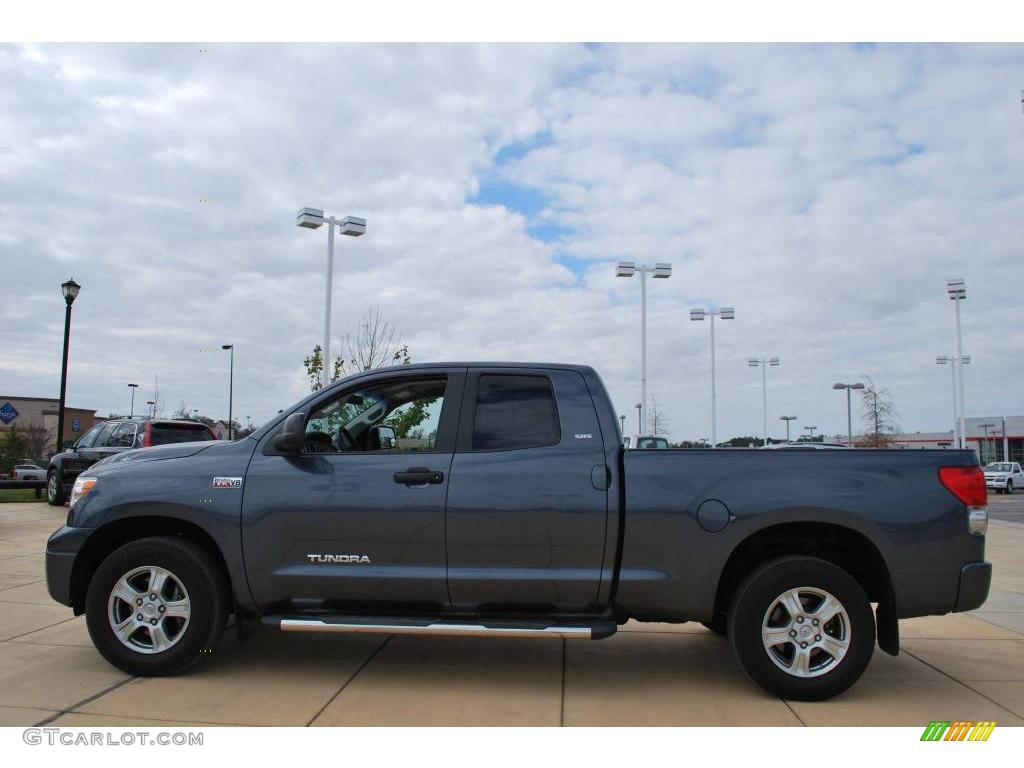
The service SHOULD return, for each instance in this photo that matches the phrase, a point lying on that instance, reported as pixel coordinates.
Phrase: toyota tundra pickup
(498, 500)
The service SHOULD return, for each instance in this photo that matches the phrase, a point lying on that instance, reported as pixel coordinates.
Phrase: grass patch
(21, 494)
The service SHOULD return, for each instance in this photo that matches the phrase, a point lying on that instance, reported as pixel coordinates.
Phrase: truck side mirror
(383, 438)
(292, 435)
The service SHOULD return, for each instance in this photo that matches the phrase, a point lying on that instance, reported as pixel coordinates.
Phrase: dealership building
(35, 412)
(994, 438)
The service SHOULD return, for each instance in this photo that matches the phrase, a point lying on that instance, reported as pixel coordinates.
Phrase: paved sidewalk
(960, 666)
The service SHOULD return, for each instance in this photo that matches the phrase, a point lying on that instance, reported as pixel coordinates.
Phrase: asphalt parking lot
(1006, 507)
(962, 666)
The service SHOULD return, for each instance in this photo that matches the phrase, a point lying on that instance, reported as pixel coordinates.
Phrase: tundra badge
(227, 482)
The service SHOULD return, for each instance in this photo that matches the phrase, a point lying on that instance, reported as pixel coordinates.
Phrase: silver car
(28, 472)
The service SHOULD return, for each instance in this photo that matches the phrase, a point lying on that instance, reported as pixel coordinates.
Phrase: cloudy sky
(826, 192)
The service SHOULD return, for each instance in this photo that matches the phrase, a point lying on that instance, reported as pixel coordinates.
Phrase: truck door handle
(419, 476)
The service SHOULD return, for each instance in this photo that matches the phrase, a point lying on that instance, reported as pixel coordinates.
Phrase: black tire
(758, 593)
(55, 496)
(1009, 486)
(208, 596)
(719, 624)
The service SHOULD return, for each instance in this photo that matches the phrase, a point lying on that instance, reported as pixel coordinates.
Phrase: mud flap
(888, 627)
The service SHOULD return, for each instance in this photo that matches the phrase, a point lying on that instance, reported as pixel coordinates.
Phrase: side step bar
(440, 628)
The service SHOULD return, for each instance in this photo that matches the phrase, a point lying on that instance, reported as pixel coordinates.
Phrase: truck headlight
(977, 520)
(83, 485)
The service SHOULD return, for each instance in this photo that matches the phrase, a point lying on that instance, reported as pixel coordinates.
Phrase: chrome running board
(440, 628)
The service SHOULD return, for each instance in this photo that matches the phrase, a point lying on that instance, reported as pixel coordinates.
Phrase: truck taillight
(147, 438)
(14, 474)
(968, 485)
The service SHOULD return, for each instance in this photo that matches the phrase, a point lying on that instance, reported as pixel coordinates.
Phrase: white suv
(1003, 476)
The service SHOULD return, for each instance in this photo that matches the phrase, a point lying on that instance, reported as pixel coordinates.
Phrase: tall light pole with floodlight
(956, 289)
(151, 411)
(954, 363)
(131, 413)
(660, 270)
(70, 291)
(811, 430)
(787, 419)
(764, 362)
(353, 226)
(231, 389)
(639, 416)
(849, 414)
(726, 313)
(622, 421)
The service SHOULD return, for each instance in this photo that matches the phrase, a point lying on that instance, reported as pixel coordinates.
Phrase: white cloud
(825, 192)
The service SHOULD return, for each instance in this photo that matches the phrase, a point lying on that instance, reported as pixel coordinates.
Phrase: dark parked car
(115, 436)
(497, 500)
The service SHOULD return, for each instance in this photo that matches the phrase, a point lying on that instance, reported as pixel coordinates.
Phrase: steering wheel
(317, 442)
(345, 438)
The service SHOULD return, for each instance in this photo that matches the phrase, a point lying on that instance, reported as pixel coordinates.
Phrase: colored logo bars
(958, 730)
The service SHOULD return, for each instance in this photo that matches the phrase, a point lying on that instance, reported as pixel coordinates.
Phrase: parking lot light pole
(849, 416)
(986, 426)
(787, 419)
(660, 270)
(622, 421)
(956, 289)
(811, 430)
(726, 313)
(953, 364)
(353, 226)
(764, 362)
(131, 412)
(639, 416)
(151, 411)
(70, 291)
(231, 388)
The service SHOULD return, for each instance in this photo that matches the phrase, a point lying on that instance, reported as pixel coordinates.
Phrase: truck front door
(527, 506)
(356, 522)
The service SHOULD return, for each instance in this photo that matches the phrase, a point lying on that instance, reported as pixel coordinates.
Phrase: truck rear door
(527, 505)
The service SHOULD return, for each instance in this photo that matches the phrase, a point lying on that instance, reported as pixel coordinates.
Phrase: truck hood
(173, 451)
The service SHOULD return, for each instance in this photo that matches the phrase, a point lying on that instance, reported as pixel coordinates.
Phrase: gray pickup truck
(497, 499)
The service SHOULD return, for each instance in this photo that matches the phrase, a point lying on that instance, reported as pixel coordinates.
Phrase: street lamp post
(726, 313)
(231, 389)
(956, 289)
(849, 415)
(353, 226)
(659, 270)
(639, 416)
(764, 362)
(787, 419)
(131, 411)
(70, 290)
(622, 421)
(152, 409)
(811, 430)
(954, 363)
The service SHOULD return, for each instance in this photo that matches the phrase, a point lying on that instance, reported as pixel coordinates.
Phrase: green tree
(13, 448)
(376, 343)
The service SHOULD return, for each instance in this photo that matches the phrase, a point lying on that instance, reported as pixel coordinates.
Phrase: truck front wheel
(154, 605)
(802, 628)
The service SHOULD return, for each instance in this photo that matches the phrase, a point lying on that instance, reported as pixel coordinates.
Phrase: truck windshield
(999, 467)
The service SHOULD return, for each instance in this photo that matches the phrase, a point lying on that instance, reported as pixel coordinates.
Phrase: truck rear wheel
(802, 628)
(154, 605)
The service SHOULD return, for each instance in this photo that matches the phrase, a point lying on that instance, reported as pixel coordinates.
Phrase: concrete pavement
(960, 666)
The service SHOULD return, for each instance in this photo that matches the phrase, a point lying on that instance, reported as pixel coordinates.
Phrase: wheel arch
(845, 547)
(119, 532)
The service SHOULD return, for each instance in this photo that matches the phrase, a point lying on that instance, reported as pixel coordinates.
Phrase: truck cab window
(400, 415)
(514, 412)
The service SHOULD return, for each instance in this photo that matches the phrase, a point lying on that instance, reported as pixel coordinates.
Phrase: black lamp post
(70, 290)
(231, 387)
(131, 413)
